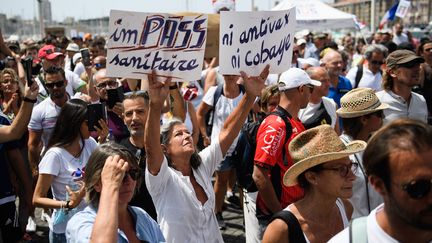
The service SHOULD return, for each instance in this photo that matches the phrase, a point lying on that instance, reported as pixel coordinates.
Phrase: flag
(359, 24)
(389, 15)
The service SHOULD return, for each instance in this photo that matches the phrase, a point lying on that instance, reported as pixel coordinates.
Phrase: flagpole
(372, 21)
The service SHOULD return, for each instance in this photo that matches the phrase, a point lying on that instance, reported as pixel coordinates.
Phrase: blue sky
(96, 8)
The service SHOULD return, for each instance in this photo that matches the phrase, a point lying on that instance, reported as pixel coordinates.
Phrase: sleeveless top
(342, 212)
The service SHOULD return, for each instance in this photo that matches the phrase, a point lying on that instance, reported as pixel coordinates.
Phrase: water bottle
(74, 185)
(110, 137)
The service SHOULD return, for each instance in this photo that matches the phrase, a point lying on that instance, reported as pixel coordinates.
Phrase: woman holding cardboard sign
(178, 178)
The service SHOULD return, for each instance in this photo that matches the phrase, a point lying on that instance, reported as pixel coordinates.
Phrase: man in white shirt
(370, 74)
(397, 161)
(399, 37)
(401, 75)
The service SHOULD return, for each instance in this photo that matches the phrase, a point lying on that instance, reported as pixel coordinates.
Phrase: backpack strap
(295, 233)
(282, 113)
(358, 76)
(358, 230)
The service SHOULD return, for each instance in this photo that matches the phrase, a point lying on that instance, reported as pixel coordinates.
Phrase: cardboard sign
(403, 8)
(212, 43)
(172, 45)
(250, 40)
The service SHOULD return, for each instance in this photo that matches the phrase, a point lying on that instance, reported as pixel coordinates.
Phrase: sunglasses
(109, 83)
(377, 62)
(344, 170)
(98, 65)
(310, 86)
(57, 84)
(418, 189)
(51, 51)
(135, 174)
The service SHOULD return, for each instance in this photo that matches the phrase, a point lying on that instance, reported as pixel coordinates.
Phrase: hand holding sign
(158, 90)
(254, 85)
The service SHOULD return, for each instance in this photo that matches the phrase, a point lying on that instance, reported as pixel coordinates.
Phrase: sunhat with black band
(316, 146)
(360, 102)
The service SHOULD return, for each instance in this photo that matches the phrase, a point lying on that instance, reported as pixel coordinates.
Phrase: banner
(249, 41)
(172, 45)
(403, 8)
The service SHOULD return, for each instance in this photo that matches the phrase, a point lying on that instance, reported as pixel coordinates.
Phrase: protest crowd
(334, 147)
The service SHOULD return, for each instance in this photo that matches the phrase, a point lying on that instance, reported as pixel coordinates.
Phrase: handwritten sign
(249, 41)
(172, 45)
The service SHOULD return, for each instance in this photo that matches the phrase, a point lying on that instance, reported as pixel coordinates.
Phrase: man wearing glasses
(51, 56)
(98, 93)
(45, 114)
(370, 74)
(397, 162)
(401, 75)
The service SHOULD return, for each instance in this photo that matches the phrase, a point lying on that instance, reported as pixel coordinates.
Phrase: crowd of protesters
(351, 152)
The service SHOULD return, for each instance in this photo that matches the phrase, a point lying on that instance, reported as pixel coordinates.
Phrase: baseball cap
(49, 52)
(295, 77)
(72, 47)
(401, 57)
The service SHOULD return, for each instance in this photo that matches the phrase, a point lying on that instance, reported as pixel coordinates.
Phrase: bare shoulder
(277, 231)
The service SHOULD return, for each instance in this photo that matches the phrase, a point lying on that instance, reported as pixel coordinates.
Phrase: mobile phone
(85, 57)
(114, 96)
(27, 64)
(95, 112)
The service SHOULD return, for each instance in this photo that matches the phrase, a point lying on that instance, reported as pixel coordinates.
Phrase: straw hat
(359, 102)
(316, 146)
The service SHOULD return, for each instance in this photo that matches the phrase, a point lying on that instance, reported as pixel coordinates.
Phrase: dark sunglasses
(57, 84)
(418, 189)
(135, 174)
(377, 62)
(98, 65)
(344, 170)
(109, 83)
(310, 86)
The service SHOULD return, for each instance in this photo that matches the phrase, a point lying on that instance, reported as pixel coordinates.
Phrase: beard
(409, 215)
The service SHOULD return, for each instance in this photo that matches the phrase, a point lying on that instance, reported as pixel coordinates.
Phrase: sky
(84, 9)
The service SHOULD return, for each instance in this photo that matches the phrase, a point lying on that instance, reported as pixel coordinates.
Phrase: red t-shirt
(270, 139)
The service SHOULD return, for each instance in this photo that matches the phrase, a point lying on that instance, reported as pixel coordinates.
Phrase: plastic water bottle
(110, 137)
(74, 185)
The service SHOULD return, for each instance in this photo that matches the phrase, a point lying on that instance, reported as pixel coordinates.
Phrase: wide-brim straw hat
(316, 146)
(360, 102)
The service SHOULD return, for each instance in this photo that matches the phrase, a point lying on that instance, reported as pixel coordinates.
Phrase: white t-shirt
(375, 233)
(79, 69)
(368, 79)
(399, 108)
(44, 117)
(309, 111)
(224, 107)
(181, 216)
(398, 39)
(62, 165)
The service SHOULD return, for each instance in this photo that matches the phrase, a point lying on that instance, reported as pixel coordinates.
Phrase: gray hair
(166, 130)
(375, 48)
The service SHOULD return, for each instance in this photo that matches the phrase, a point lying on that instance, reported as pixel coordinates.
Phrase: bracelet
(29, 100)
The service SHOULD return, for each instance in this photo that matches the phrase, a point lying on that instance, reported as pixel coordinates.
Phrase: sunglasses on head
(51, 51)
(418, 189)
(57, 84)
(134, 174)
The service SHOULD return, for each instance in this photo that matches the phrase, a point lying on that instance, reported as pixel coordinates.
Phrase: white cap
(295, 77)
(310, 60)
(76, 57)
(301, 41)
(72, 47)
